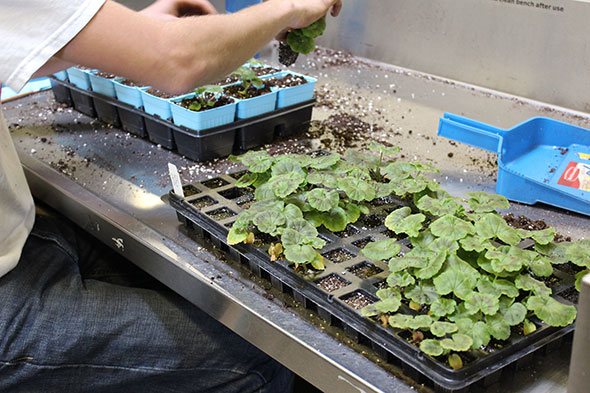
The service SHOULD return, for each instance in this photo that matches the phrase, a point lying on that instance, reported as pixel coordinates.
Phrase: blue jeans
(76, 317)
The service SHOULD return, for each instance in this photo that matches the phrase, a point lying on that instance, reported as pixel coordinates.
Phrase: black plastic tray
(198, 145)
(214, 205)
(62, 93)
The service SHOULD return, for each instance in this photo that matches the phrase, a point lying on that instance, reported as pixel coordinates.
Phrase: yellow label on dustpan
(584, 156)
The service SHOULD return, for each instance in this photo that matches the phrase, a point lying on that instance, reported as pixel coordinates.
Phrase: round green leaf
(300, 253)
(410, 225)
(400, 279)
(236, 236)
(292, 212)
(506, 288)
(431, 347)
(455, 281)
(528, 283)
(515, 314)
(555, 251)
(256, 161)
(396, 216)
(422, 293)
(399, 321)
(383, 189)
(290, 237)
(497, 326)
(442, 306)
(382, 249)
(484, 302)
(541, 266)
(285, 184)
(544, 236)
(439, 207)
(475, 243)
(357, 189)
(459, 342)
(325, 179)
(492, 226)
(420, 322)
(268, 221)
(481, 202)
(336, 219)
(322, 199)
(551, 311)
(579, 276)
(434, 263)
(323, 162)
(411, 186)
(306, 229)
(451, 227)
(402, 263)
(441, 328)
(246, 180)
(318, 262)
(579, 253)
(287, 165)
(388, 305)
(480, 334)
(504, 262)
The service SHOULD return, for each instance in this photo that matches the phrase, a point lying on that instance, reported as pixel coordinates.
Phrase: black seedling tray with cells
(198, 145)
(350, 281)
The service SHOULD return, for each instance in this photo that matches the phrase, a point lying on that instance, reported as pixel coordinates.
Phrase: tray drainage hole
(203, 202)
(371, 220)
(235, 192)
(364, 269)
(358, 299)
(221, 214)
(349, 231)
(332, 283)
(214, 183)
(363, 242)
(338, 255)
(190, 190)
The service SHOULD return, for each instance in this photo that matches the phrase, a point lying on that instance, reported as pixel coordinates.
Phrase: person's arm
(160, 10)
(178, 55)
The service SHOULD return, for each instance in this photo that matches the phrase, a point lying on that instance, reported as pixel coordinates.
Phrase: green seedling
(464, 277)
(248, 78)
(206, 97)
(303, 40)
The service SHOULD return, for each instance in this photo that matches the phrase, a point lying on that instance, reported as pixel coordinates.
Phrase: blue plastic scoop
(539, 160)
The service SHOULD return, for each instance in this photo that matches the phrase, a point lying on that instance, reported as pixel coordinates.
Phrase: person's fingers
(336, 8)
(282, 36)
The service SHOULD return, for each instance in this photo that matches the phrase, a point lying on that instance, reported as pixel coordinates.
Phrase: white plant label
(175, 177)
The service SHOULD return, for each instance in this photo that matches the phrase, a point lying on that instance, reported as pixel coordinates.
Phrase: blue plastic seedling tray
(539, 160)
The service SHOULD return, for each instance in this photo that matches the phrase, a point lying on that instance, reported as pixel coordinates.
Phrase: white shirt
(31, 32)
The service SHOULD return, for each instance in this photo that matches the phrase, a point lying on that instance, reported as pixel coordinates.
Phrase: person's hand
(172, 9)
(308, 11)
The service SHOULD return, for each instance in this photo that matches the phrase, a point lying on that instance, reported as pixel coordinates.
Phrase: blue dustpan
(539, 160)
